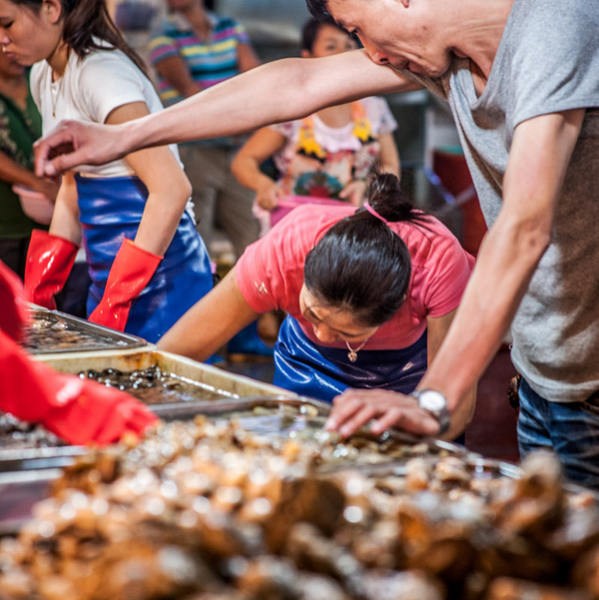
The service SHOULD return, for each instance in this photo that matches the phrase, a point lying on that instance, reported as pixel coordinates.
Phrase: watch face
(431, 400)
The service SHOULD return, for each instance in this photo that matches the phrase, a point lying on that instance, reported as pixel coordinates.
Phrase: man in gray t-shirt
(522, 80)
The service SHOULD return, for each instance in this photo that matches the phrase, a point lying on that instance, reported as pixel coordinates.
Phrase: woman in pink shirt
(370, 294)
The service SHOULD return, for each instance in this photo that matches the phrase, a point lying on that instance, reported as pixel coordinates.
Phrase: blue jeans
(571, 429)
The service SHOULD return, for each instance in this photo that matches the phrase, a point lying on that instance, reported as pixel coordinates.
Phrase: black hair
(85, 20)
(318, 9)
(360, 265)
(311, 29)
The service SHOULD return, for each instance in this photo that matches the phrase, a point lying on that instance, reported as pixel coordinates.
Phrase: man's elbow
(532, 240)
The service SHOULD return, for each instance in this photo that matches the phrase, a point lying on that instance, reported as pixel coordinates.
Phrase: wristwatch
(436, 404)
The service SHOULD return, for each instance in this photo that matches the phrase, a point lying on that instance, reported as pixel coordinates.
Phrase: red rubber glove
(49, 261)
(14, 313)
(131, 271)
(80, 411)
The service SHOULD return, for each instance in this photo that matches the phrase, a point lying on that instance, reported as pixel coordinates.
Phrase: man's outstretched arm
(279, 91)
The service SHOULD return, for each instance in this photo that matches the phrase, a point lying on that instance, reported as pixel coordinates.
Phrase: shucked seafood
(212, 511)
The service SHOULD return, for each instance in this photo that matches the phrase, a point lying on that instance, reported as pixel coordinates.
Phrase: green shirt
(18, 131)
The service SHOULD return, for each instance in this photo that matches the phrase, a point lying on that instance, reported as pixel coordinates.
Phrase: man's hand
(72, 144)
(354, 408)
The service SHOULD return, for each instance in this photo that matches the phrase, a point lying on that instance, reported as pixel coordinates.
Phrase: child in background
(328, 154)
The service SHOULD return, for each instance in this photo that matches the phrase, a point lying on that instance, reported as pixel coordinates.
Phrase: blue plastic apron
(311, 370)
(110, 210)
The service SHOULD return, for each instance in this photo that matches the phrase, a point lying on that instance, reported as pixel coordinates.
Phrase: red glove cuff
(131, 271)
(49, 261)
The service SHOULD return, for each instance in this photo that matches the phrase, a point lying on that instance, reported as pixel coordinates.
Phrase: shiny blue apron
(110, 210)
(311, 370)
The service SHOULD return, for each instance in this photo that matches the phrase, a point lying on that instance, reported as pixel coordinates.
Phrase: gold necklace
(52, 97)
(353, 354)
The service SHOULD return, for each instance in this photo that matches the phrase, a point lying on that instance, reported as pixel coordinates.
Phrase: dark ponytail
(360, 265)
(89, 19)
(85, 20)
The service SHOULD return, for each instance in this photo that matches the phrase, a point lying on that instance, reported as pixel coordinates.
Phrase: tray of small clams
(170, 385)
(54, 332)
(206, 508)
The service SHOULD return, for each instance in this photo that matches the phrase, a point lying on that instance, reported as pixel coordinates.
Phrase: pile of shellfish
(212, 511)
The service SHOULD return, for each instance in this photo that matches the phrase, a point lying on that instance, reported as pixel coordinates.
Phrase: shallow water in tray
(154, 386)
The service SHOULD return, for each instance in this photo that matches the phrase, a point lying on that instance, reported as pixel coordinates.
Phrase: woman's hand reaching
(269, 194)
(354, 192)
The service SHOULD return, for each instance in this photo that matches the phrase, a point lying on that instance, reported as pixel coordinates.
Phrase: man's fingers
(411, 419)
(63, 163)
(64, 148)
(58, 143)
(354, 408)
(343, 409)
(358, 420)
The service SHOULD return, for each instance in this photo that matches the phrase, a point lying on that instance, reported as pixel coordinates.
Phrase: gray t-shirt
(547, 61)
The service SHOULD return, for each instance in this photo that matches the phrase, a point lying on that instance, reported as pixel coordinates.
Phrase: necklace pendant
(352, 355)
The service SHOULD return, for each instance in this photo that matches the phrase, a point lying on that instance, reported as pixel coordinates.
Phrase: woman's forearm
(160, 221)
(247, 172)
(211, 322)
(65, 220)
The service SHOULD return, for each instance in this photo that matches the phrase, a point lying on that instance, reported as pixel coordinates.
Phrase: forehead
(347, 10)
(10, 9)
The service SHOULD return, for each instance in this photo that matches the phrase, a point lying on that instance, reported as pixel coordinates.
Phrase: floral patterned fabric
(318, 160)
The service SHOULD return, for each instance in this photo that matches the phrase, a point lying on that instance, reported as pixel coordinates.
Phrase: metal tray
(38, 458)
(93, 337)
(276, 424)
(188, 410)
(18, 494)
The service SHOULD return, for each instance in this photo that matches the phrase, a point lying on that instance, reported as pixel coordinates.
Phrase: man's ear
(306, 54)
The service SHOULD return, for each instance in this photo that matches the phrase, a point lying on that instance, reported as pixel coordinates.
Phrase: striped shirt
(209, 62)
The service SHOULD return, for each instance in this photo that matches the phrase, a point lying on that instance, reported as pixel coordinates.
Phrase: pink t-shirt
(270, 274)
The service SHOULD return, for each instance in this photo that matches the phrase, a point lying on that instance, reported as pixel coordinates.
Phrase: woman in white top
(328, 154)
(147, 263)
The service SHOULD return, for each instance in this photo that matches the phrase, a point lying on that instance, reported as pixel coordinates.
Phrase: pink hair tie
(374, 213)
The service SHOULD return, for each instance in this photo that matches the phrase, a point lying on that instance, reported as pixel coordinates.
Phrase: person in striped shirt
(195, 49)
